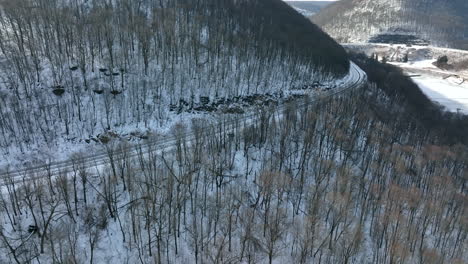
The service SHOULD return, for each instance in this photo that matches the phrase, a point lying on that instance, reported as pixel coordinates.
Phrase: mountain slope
(439, 22)
(73, 70)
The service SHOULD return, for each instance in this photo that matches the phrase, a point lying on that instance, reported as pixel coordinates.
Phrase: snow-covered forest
(443, 23)
(376, 174)
(71, 70)
(333, 182)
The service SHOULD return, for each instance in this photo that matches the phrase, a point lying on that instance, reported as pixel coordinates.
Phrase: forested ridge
(441, 22)
(73, 69)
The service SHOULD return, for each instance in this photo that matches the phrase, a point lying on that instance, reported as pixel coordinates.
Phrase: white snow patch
(445, 92)
(420, 64)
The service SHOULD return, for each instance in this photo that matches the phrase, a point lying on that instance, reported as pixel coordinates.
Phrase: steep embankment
(72, 70)
(436, 22)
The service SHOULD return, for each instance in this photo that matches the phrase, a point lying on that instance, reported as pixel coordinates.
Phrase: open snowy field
(452, 96)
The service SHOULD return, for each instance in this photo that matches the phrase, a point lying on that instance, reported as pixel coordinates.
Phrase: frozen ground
(447, 92)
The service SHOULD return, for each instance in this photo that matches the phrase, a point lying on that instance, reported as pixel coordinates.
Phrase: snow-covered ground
(452, 96)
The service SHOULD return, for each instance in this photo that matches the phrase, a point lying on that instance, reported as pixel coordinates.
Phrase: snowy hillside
(84, 72)
(437, 22)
